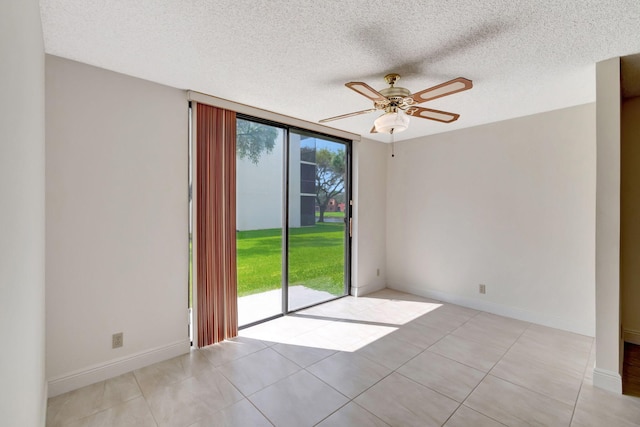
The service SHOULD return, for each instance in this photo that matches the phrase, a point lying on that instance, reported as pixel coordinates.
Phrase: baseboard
(367, 289)
(113, 368)
(629, 335)
(502, 310)
(607, 380)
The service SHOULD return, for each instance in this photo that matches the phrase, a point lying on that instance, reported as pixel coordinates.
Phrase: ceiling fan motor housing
(395, 92)
(396, 96)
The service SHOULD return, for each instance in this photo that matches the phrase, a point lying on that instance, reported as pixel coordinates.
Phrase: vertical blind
(217, 311)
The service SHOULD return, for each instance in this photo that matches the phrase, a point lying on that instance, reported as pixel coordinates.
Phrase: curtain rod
(268, 115)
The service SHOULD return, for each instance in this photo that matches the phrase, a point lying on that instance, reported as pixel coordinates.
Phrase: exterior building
(259, 193)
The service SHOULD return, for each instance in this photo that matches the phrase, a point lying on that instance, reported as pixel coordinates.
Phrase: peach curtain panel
(216, 224)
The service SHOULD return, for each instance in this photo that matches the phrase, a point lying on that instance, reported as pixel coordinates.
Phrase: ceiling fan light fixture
(392, 122)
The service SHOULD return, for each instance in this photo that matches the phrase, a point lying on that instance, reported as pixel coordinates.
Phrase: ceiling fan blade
(344, 116)
(366, 90)
(444, 89)
(437, 115)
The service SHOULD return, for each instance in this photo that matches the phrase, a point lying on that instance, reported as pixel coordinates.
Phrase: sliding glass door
(259, 210)
(287, 262)
(317, 218)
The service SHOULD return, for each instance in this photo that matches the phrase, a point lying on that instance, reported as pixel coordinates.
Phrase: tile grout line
(395, 370)
(431, 345)
(399, 373)
(447, 333)
(450, 332)
(486, 375)
(488, 372)
(368, 388)
(526, 387)
(349, 399)
(135, 377)
(196, 376)
(244, 396)
(575, 405)
(337, 409)
(258, 409)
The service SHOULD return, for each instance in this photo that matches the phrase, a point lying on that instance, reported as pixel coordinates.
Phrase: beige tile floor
(385, 359)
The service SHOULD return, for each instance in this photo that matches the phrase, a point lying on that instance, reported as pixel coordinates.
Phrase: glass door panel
(318, 205)
(259, 208)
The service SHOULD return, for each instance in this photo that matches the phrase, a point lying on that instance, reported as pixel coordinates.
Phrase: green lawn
(331, 214)
(316, 258)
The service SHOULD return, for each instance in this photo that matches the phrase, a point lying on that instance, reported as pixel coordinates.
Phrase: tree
(253, 139)
(330, 177)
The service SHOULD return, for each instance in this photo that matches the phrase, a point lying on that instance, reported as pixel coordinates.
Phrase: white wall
(510, 205)
(370, 216)
(22, 376)
(116, 223)
(629, 224)
(608, 355)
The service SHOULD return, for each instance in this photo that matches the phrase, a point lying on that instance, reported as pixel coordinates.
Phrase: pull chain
(393, 144)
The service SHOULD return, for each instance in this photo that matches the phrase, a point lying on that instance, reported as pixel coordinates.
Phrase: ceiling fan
(398, 103)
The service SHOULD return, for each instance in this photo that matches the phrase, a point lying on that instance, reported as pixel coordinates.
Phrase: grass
(331, 214)
(316, 258)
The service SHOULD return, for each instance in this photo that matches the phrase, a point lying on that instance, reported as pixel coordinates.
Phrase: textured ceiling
(293, 57)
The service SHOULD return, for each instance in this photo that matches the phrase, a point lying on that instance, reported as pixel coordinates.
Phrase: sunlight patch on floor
(346, 324)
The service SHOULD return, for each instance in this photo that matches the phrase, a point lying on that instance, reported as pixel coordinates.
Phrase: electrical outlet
(483, 289)
(377, 272)
(116, 340)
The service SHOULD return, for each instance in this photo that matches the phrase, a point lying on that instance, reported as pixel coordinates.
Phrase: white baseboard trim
(607, 380)
(367, 289)
(113, 368)
(502, 310)
(629, 335)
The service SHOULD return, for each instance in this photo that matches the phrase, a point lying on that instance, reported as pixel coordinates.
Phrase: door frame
(348, 144)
